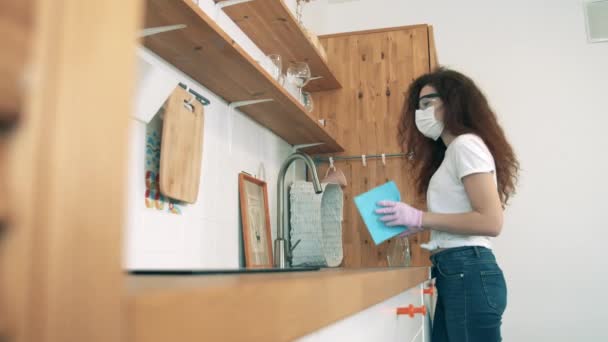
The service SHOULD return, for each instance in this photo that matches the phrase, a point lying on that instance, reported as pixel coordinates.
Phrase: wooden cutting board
(182, 147)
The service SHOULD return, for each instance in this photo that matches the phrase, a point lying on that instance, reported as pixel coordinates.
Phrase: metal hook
(331, 163)
(188, 103)
(200, 98)
(262, 172)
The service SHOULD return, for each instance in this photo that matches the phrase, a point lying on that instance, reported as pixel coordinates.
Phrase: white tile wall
(207, 234)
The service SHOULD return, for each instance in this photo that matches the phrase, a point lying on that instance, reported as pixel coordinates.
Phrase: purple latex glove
(400, 214)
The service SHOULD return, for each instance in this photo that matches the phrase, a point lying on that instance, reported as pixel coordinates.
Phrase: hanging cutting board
(181, 147)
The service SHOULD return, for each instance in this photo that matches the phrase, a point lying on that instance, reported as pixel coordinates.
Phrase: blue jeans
(471, 295)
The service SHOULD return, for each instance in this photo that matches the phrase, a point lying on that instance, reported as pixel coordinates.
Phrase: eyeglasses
(428, 100)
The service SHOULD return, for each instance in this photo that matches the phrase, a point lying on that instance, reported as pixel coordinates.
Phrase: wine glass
(308, 102)
(299, 7)
(299, 74)
(275, 66)
(398, 253)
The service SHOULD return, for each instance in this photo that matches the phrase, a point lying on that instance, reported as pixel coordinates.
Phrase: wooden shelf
(269, 307)
(274, 29)
(207, 54)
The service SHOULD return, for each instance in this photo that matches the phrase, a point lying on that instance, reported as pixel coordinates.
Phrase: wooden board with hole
(182, 147)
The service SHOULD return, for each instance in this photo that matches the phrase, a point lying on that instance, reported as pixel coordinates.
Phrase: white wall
(548, 86)
(207, 234)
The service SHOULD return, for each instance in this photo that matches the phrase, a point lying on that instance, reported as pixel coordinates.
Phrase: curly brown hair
(466, 110)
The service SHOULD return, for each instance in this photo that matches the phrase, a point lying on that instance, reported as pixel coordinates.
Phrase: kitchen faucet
(281, 251)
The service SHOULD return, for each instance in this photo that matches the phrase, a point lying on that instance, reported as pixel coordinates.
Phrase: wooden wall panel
(67, 174)
(375, 68)
(434, 60)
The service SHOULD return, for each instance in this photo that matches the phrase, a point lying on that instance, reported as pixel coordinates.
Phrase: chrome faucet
(281, 251)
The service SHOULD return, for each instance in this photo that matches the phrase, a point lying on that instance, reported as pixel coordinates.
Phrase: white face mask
(427, 124)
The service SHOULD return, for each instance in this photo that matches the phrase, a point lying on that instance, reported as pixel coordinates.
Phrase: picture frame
(255, 218)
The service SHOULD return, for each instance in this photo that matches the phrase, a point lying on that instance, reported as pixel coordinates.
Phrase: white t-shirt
(467, 154)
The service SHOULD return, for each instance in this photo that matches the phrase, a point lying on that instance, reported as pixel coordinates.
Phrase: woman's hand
(400, 214)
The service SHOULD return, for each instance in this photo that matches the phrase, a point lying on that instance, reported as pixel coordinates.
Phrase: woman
(468, 171)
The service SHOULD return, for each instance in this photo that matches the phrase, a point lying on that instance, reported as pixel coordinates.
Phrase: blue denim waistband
(461, 252)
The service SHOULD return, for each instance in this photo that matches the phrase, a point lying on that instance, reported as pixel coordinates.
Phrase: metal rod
(227, 3)
(301, 146)
(156, 30)
(200, 98)
(367, 156)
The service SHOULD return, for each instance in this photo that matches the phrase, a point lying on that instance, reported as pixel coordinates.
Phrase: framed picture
(255, 217)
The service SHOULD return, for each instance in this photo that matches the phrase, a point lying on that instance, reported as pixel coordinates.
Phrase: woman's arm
(487, 215)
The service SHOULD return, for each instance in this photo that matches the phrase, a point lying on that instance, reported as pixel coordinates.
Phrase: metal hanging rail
(362, 157)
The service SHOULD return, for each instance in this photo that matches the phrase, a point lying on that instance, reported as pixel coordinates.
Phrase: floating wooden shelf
(270, 307)
(207, 54)
(274, 29)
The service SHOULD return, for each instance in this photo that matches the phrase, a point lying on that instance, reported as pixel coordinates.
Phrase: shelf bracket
(160, 29)
(231, 107)
(227, 3)
(237, 104)
(297, 147)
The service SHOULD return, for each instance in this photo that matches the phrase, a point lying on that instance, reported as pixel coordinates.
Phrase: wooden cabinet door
(377, 323)
(375, 69)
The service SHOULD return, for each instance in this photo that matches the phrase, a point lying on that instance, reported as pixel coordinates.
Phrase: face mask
(427, 124)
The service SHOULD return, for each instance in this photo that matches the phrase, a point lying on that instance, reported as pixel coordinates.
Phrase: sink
(224, 271)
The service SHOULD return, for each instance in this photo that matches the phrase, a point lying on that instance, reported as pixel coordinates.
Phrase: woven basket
(316, 220)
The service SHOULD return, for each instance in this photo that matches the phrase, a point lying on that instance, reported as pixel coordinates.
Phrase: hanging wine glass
(299, 74)
(308, 102)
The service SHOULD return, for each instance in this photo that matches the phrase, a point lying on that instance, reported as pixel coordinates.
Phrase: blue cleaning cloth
(367, 204)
